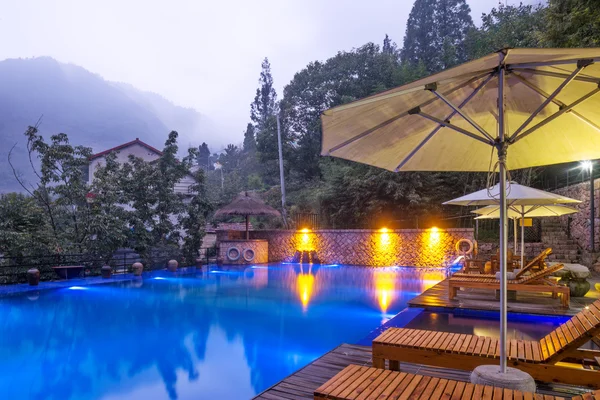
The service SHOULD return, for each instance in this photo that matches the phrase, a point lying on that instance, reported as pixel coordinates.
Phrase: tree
(193, 221)
(24, 229)
(204, 157)
(507, 26)
(435, 34)
(264, 105)
(249, 139)
(572, 23)
(389, 48)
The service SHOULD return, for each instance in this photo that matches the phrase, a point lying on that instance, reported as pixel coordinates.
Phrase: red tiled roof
(124, 145)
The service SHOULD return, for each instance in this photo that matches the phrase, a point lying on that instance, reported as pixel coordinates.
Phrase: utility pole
(592, 213)
(282, 182)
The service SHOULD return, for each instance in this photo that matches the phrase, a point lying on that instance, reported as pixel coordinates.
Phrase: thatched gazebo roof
(247, 203)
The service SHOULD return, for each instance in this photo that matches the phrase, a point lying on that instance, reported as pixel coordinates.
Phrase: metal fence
(488, 230)
(14, 269)
(305, 220)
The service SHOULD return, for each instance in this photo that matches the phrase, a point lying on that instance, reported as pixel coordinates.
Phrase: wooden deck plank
(302, 384)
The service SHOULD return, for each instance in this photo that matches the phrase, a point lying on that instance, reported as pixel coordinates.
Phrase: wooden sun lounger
(554, 358)
(536, 282)
(530, 265)
(359, 383)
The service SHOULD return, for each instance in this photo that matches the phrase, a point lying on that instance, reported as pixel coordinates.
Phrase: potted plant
(172, 265)
(106, 271)
(33, 276)
(137, 268)
(577, 283)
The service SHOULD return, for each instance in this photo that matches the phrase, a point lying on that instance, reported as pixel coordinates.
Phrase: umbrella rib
(556, 115)
(437, 128)
(462, 114)
(458, 129)
(580, 67)
(551, 63)
(552, 74)
(397, 117)
(555, 101)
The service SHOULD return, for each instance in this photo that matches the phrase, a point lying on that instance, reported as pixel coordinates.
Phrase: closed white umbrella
(517, 212)
(531, 107)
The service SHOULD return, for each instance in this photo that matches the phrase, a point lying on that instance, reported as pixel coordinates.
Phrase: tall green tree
(249, 139)
(435, 33)
(193, 221)
(572, 23)
(204, 157)
(507, 26)
(264, 105)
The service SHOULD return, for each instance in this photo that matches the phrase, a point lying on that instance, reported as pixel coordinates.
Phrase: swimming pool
(219, 333)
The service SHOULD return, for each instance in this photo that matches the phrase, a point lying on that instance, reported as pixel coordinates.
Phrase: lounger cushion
(509, 275)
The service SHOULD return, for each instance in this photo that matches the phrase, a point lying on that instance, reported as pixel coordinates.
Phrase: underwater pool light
(159, 278)
(77, 288)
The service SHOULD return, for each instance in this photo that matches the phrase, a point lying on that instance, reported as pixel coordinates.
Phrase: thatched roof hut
(246, 204)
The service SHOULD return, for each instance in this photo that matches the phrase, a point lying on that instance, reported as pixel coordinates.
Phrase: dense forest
(439, 34)
(57, 214)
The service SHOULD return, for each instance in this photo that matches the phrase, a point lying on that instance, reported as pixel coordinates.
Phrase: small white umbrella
(519, 212)
(516, 195)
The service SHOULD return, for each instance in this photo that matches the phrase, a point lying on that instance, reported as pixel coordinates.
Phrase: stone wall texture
(260, 248)
(403, 247)
(579, 223)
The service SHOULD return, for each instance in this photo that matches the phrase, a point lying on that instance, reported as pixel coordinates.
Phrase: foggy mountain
(92, 111)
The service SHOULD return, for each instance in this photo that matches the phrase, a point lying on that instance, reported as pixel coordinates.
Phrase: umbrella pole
(522, 237)
(501, 148)
(514, 220)
(247, 231)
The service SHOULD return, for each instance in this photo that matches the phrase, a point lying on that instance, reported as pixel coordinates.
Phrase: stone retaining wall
(403, 247)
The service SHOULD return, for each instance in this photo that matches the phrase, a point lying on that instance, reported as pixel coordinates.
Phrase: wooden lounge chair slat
(468, 393)
(507, 394)
(362, 388)
(550, 345)
(555, 341)
(440, 341)
(512, 349)
(447, 342)
(485, 350)
(479, 345)
(562, 338)
(377, 385)
(478, 392)
(458, 391)
(537, 351)
(400, 380)
(466, 343)
(583, 320)
(439, 390)
(566, 332)
(431, 342)
(425, 339)
(420, 388)
(410, 387)
(590, 315)
(356, 380)
(428, 391)
(449, 389)
(521, 350)
(527, 396)
(488, 393)
(517, 395)
(401, 336)
(340, 377)
(528, 345)
(571, 327)
(459, 342)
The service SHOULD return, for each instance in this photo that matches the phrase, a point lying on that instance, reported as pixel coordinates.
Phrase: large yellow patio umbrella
(516, 108)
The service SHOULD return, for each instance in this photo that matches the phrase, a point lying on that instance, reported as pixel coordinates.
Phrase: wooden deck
(302, 383)
(475, 299)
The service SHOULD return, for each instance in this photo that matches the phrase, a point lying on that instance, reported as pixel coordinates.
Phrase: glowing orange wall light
(432, 251)
(305, 240)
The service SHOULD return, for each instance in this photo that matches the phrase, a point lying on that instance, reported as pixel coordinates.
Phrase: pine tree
(264, 105)
(436, 32)
(204, 157)
(249, 139)
(389, 47)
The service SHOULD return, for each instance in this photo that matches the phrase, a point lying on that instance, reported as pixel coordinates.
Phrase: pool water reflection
(220, 333)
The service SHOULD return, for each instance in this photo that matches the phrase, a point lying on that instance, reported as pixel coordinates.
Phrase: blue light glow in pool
(225, 333)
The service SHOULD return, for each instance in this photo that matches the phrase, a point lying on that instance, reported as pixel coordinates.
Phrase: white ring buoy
(236, 252)
(248, 257)
(467, 241)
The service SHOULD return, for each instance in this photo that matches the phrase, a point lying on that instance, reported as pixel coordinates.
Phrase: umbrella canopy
(493, 212)
(530, 107)
(449, 121)
(246, 204)
(516, 195)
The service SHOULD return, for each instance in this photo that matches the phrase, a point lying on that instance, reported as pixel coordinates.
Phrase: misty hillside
(91, 110)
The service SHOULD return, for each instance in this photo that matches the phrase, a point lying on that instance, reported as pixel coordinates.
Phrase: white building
(136, 148)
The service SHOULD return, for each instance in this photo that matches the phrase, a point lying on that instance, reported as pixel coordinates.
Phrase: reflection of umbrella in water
(521, 212)
(531, 107)
(246, 204)
(522, 201)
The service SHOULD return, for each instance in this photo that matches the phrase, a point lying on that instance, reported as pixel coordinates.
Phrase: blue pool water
(222, 333)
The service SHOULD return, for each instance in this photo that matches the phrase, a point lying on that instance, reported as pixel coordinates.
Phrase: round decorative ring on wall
(460, 242)
(233, 254)
(248, 255)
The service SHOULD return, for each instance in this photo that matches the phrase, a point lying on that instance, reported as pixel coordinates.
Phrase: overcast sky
(200, 54)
